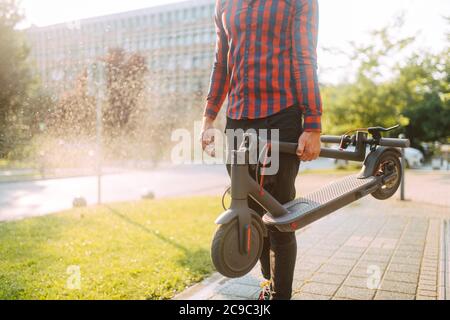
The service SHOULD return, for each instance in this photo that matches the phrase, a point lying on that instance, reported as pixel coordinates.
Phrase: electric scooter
(238, 241)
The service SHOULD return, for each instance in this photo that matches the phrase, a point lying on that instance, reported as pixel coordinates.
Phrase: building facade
(178, 41)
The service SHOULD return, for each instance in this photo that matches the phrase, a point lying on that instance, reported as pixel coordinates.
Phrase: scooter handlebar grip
(289, 148)
(395, 143)
(331, 139)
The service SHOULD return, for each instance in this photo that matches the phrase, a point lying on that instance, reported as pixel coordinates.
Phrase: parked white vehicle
(414, 158)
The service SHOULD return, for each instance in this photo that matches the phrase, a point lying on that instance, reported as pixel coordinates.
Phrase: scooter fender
(232, 214)
(372, 159)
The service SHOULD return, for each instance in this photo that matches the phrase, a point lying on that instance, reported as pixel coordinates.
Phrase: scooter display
(238, 241)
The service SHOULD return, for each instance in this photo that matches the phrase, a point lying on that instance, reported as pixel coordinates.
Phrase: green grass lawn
(141, 250)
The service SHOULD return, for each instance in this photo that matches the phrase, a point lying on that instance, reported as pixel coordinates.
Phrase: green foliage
(74, 114)
(20, 96)
(423, 87)
(413, 93)
(125, 83)
(139, 250)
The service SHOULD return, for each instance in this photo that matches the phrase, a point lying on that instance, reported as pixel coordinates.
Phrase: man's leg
(283, 245)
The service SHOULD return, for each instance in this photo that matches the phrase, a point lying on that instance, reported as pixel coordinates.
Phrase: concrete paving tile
(328, 278)
(406, 260)
(359, 242)
(431, 276)
(411, 254)
(427, 287)
(364, 272)
(433, 269)
(404, 268)
(357, 282)
(427, 293)
(333, 269)
(320, 288)
(347, 255)
(298, 283)
(342, 262)
(311, 259)
(370, 264)
(402, 276)
(303, 275)
(309, 296)
(355, 293)
(427, 282)
(355, 250)
(383, 243)
(307, 266)
(419, 297)
(322, 252)
(375, 258)
(396, 286)
(388, 295)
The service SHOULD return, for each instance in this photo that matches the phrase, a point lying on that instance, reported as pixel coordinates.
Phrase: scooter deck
(314, 206)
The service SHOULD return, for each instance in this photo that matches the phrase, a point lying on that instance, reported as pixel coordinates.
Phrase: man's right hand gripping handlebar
(207, 136)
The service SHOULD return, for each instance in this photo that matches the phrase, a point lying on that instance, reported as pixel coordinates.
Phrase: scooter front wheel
(388, 163)
(225, 253)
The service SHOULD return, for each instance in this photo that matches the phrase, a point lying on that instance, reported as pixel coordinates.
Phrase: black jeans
(280, 249)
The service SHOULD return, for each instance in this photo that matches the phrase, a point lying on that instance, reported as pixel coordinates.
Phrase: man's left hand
(309, 146)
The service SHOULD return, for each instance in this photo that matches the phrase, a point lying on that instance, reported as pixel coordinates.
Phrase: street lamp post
(97, 89)
(402, 186)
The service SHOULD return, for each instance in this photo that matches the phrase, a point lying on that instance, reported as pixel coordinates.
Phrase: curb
(202, 290)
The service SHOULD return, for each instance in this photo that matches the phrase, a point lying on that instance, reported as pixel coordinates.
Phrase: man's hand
(309, 146)
(207, 136)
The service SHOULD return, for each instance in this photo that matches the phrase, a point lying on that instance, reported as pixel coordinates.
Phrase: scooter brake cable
(351, 131)
(223, 198)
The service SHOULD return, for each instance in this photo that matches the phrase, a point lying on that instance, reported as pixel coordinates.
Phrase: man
(265, 62)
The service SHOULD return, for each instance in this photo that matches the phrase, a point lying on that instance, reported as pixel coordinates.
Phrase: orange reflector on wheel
(249, 238)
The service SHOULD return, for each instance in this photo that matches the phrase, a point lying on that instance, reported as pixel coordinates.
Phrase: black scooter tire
(225, 253)
(385, 192)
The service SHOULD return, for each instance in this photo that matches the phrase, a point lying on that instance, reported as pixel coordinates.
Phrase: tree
(16, 80)
(424, 88)
(74, 114)
(412, 89)
(368, 99)
(125, 81)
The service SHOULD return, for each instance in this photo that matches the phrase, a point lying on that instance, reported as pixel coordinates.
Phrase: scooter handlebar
(291, 148)
(331, 139)
(384, 142)
(396, 143)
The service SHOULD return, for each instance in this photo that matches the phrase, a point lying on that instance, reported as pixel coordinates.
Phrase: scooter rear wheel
(388, 162)
(225, 253)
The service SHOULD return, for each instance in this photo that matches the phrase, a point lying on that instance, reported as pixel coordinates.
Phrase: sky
(341, 21)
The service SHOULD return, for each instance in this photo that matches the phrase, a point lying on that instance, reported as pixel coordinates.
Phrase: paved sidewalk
(368, 250)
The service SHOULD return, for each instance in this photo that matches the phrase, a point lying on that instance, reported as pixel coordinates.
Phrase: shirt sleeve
(220, 81)
(304, 54)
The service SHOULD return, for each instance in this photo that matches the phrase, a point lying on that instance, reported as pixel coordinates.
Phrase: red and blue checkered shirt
(266, 59)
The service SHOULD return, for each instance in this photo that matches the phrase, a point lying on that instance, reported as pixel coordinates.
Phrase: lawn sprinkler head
(148, 195)
(79, 202)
